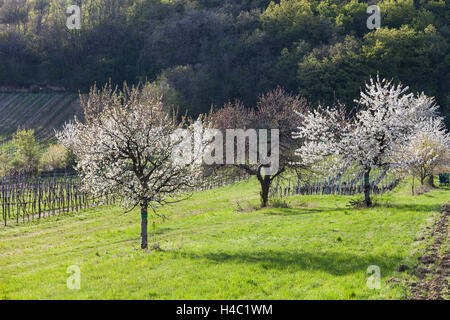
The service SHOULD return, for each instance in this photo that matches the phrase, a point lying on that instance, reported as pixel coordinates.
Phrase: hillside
(209, 52)
(217, 246)
(42, 112)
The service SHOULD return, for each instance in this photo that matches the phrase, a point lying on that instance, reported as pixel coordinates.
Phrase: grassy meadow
(218, 245)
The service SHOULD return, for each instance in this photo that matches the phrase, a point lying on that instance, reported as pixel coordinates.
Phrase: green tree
(352, 18)
(412, 56)
(396, 13)
(5, 159)
(291, 20)
(333, 73)
(26, 157)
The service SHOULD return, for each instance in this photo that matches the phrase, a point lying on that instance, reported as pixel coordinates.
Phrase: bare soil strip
(433, 268)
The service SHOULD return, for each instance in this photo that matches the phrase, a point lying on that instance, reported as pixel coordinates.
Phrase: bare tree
(126, 147)
(274, 110)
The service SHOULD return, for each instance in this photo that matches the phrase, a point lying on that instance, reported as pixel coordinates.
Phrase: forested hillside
(205, 52)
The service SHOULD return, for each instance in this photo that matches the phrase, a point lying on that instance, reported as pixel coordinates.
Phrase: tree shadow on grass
(348, 210)
(306, 210)
(337, 264)
(290, 211)
(159, 230)
(415, 207)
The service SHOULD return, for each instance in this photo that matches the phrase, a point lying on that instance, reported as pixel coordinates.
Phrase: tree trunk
(431, 181)
(367, 200)
(265, 187)
(413, 185)
(144, 241)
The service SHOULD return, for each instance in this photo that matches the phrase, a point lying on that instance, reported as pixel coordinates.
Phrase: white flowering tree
(427, 148)
(125, 147)
(368, 140)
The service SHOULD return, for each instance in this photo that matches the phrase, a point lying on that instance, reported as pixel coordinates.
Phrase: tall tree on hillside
(126, 147)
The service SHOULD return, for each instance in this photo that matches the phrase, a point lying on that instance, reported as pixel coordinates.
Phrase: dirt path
(433, 268)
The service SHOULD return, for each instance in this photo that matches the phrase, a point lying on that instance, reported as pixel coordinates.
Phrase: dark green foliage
(207, 52)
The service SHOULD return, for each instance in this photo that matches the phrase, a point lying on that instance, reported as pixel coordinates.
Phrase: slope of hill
(42, 112)
(209, 52)
(217, 246)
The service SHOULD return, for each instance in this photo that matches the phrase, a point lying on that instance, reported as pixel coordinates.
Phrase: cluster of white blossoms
(428, 147)
(322, 131)
(125, 145)
(388, 119)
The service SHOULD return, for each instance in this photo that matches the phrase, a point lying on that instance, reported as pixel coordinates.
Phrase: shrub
(26, 155)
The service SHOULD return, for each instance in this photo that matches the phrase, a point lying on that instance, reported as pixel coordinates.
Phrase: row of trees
(209, 52)
(25, 156)
(126, 143)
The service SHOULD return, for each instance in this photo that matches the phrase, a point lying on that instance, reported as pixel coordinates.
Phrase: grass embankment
(213, 248)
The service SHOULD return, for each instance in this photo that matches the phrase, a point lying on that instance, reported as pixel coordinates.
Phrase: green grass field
(216, 245)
